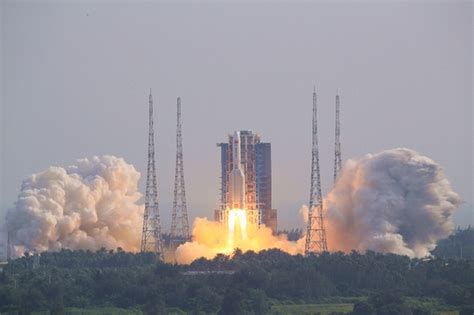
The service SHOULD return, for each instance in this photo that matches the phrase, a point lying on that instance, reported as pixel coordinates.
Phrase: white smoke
(395, 201)
(89, 205)
(304, 210)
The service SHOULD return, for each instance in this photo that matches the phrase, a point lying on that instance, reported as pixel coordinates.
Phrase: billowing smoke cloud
(304, 213)
(395, 201)
(89, 205)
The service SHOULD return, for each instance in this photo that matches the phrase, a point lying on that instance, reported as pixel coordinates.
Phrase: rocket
(236, 177)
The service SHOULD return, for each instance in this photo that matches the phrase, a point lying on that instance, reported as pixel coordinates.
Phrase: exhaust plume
(210, 239)
(396, 201)
(89, 205)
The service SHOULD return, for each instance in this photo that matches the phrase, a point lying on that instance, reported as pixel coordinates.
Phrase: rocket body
(236, 177)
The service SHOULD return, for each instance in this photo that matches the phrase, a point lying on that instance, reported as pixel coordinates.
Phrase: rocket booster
(236, 177)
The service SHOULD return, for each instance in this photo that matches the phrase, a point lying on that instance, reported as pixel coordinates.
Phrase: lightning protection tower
(315, 232)
(9, 253)
(337, 142)
(179, 218)
(151, 232)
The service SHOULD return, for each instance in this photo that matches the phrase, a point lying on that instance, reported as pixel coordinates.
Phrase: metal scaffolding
(315, 232)
(337, 142)
(179, 218)
(151, 232)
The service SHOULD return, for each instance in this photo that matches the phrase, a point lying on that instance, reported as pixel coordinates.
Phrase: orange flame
(211, 238)
(237, 226)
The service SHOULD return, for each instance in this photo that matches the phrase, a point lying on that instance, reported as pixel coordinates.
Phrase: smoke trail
(89, 205)
(395, 201)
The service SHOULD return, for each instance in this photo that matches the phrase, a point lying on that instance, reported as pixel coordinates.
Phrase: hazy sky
(75, 81)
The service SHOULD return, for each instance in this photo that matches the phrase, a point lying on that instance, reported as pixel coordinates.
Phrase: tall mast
(179, 218)
(315, 232)
(151, 232)
(337, 142)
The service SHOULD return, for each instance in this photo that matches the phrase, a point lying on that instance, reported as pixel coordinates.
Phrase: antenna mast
(151, 232)
(9, 253)
(179, 219)
(337, 142)
(315, 232)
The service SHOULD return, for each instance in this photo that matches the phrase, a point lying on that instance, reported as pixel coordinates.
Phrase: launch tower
(179, 217)
(315, 232)
(151, 232)
(256, 166)
(337, 142)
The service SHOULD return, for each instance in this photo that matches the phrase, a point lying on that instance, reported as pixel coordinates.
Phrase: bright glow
(211, 238)
(236, 216)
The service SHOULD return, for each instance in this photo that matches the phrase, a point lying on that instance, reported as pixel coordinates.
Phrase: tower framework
(179, 218)
(315, 232)
(337, 142)
(9, 253)
(256, 164)
(151, 232)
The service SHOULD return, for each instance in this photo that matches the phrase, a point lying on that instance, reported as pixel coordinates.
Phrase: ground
(277, 309)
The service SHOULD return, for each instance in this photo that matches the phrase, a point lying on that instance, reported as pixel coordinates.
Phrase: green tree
(363, 308)
(232, 303)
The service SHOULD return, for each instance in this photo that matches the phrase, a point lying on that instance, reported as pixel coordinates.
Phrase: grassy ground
(435, 305)
(115, 311)
(95, 311)
(303, 309)
(346, 306)
(341, 305)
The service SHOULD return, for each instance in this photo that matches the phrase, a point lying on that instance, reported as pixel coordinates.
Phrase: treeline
(458, 245)
(255, 280)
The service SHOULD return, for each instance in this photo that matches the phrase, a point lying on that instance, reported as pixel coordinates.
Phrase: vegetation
(322, 309)
(269, 282)
(457, 246)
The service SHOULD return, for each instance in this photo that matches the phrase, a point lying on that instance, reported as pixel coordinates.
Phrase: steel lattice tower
(337, 142)
(151, 233)
(179, 219)
(9, 253)
(315, 232)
